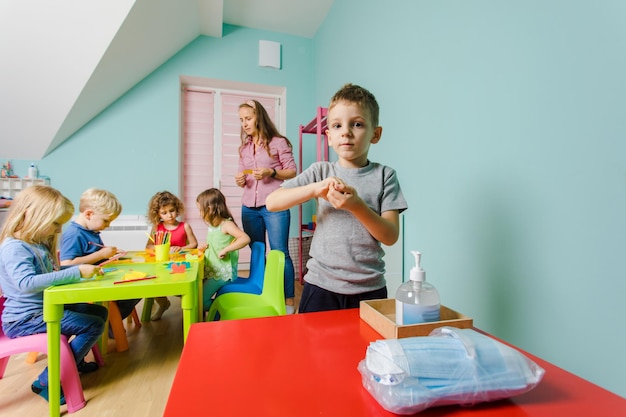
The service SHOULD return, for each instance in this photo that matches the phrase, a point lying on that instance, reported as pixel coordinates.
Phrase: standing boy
(359, 202)
(81, 242)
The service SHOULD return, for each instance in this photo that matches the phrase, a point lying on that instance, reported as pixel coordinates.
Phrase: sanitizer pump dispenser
(417, 301)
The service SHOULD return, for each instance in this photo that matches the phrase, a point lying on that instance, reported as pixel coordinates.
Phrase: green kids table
(163, 279)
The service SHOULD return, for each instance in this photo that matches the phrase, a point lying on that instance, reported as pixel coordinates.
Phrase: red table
(306, 365)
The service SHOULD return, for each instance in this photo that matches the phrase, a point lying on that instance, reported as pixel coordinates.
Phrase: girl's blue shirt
(25, 271)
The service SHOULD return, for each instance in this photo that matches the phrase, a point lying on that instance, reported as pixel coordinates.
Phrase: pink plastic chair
(70, 380)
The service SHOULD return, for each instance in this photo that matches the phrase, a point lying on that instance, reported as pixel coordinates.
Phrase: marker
(135, 279)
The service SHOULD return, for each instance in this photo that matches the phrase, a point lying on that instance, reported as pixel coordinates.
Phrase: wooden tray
(381, 315)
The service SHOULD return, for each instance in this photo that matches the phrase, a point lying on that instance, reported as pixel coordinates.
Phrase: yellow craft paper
(134, 275)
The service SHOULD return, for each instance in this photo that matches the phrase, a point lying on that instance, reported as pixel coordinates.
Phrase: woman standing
(265, 161)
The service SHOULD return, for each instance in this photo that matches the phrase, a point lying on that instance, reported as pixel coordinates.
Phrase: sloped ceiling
(62, 62)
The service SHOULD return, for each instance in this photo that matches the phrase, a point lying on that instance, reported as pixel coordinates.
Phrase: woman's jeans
(85, 321)
(259, 220)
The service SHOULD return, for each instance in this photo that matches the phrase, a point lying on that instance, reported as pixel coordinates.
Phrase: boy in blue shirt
(81, 242)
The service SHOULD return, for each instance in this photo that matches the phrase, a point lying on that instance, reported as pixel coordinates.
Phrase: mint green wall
(132, 147)
(505, 121)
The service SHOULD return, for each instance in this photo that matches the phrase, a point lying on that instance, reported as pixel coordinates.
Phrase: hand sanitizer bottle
(417, 301)
(32, 170)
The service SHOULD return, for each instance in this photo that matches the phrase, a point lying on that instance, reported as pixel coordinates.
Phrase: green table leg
(147, 309)
(52, 316)
(189, 305)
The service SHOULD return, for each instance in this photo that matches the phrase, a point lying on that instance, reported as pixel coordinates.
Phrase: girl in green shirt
(223, 241)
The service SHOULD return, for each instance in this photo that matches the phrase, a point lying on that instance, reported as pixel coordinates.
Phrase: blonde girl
(29, 264)
(223, 241)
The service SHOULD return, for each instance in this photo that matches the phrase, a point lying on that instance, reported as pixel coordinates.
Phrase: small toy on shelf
(7, 170)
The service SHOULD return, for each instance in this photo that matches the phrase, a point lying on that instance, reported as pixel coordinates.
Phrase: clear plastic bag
(450, 366)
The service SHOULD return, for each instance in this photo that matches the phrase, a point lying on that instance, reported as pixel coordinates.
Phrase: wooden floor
(132, 383)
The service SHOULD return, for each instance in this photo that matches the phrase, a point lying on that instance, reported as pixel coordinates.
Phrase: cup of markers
(162, 246)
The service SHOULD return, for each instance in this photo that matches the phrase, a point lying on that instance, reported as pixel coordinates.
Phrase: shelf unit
(10, 187)
(316, 127)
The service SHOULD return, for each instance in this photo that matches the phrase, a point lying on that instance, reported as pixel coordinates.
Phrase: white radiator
(127, 232)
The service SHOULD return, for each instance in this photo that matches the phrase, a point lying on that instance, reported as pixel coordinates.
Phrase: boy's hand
(89, 271)
(107, 251)
(202, 247)
(343, 197)
(175, 249)
(325, 185)
(222, 253)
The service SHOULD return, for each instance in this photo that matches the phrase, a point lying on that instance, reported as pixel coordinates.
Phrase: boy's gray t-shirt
(345, 258)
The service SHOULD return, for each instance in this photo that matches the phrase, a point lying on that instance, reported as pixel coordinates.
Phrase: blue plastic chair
(254, 283)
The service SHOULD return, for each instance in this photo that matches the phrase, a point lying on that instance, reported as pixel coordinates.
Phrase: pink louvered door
(210, 161)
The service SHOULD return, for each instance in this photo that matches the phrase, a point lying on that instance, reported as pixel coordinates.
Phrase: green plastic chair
(271, 301)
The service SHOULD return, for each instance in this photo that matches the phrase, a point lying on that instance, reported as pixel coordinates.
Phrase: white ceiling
(64, 61)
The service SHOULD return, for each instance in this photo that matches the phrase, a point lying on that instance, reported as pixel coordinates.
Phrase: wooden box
(381, 315)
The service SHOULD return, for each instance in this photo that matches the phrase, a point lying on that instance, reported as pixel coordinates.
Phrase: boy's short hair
(357, 95)
(102, 201)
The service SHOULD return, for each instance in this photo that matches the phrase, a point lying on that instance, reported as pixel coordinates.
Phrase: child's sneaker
(42, 391)
(87, 367)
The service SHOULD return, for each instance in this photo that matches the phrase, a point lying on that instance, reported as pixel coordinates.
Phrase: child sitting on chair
(29, 264)
(223, 241)
(81, 242)
(163, 212)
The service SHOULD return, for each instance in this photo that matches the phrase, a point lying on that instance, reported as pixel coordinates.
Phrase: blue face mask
(451, 366)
